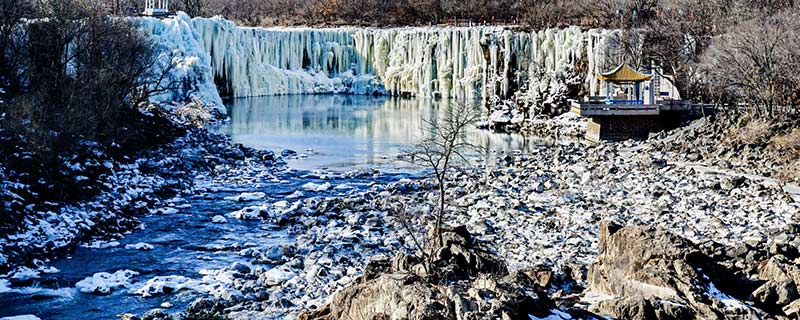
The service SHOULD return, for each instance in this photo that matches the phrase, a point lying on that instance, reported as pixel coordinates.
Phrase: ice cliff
(463, 62)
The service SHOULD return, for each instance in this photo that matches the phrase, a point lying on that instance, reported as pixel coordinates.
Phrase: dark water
(329, 131)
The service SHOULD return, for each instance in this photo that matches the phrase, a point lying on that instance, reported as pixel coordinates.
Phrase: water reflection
(346, 131)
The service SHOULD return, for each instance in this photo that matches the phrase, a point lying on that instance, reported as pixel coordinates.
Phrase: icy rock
(252, 212)
(104, 282)
(162, 285)
(313, 187)
(219, 219)
(25, 273)
(139, 246)
(247, 196)
(100, 244)
(276, 276)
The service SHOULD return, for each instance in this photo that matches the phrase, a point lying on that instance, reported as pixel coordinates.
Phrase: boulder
(653, 271)
(792, 310)
(463, 281)
(775, 294)
(639, 308)
(778, 268)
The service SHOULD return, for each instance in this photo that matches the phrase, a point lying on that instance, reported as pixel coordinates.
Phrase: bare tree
(443, 150)
(756, 63)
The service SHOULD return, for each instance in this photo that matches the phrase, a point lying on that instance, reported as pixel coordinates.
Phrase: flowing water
(329, 132)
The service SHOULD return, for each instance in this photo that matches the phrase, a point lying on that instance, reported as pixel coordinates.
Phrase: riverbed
(332, 136)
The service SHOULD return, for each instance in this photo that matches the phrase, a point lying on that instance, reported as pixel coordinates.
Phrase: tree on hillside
(756, 63)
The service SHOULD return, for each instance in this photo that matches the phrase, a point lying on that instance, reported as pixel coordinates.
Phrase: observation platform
(629, 119)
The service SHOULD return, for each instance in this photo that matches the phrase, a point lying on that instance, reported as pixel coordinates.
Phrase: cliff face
(463, 62)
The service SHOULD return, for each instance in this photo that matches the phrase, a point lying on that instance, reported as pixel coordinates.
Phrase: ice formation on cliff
(462, 62)
(181, 47)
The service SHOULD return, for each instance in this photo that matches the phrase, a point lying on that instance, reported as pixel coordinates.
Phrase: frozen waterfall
(458, 62)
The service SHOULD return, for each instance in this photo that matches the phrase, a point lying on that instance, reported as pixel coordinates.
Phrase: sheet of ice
(555, 314)
(104, 282)
(22, 317)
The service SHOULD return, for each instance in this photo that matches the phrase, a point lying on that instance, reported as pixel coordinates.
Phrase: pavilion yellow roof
(623, 73)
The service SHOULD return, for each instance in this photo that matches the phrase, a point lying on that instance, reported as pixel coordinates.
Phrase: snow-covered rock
(162, 284)
(139, 246)
(276, 276)
(247, 196)
(314, 187)
(218, 219)
(252, 212)
(104, 282)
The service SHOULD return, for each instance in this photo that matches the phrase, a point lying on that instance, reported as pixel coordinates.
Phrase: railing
(603, 109)
(624, 101)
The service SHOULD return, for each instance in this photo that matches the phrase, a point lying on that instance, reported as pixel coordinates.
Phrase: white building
(156, 7)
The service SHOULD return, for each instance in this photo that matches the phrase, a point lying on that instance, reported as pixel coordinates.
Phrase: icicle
(427, 62)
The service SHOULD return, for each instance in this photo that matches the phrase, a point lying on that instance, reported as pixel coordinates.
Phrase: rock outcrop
(462, 281)
(659, 275)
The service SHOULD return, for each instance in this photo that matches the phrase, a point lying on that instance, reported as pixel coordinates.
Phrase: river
(330, 133)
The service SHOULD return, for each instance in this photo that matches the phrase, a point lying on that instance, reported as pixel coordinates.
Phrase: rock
(219, 219)
(156, 314)
(104, 282)
(652, 270)
(792, 310)
(240, 268)
(205, 309)
(541, 275)
(288, 153)
(779, 269)
(275, 276)
(464, 283)
(775, 294)
(638, 308)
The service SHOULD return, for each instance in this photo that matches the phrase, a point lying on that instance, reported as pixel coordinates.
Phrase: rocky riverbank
(539, 211)
(122, 188)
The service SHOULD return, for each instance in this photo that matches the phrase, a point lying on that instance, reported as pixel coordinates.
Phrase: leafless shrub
(789, 142)
(756, 64)
(443, 150)
(749, 131)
